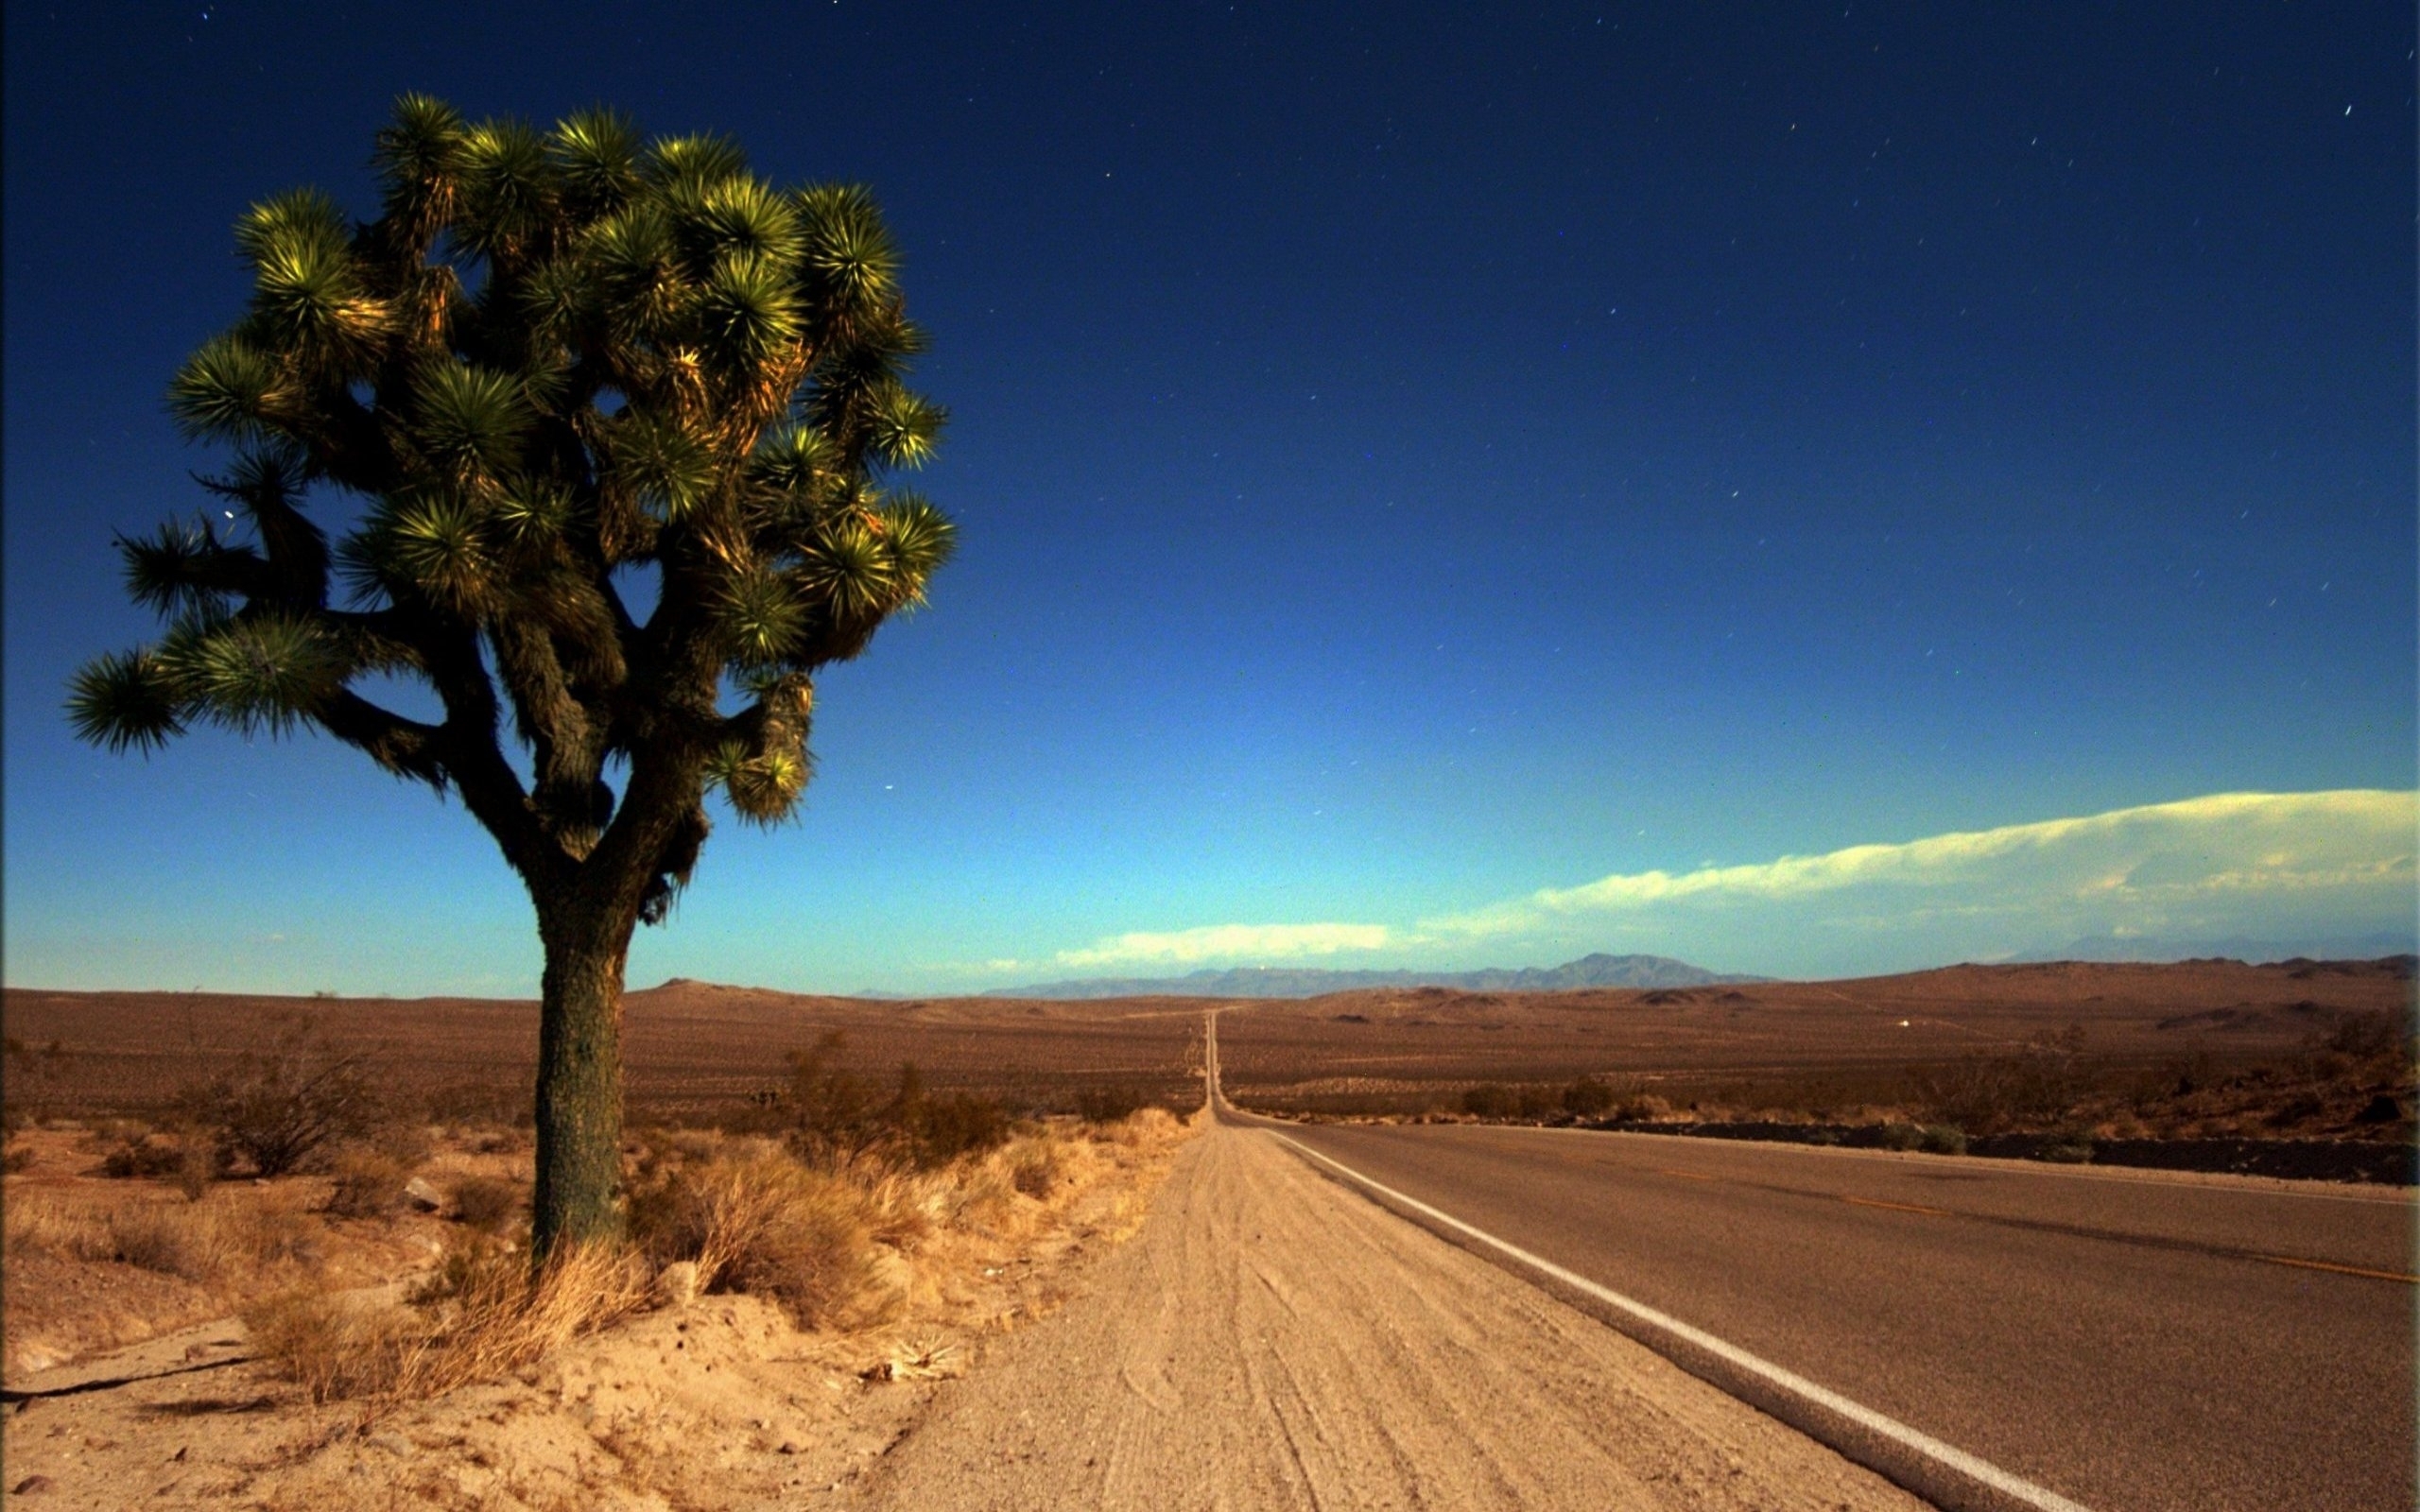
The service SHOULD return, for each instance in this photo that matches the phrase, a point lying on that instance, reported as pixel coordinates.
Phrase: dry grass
(369, 1183)
(481, 1317)
(36, 1226)
(759, 1222)
(206, 1243)
(863, 1253)
(487, 1203)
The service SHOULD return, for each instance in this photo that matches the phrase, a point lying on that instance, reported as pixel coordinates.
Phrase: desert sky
(1809, 489)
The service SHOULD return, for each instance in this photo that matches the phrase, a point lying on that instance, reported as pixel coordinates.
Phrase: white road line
(2013, 1488)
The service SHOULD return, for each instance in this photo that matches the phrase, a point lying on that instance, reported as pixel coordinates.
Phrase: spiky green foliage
(556, 360)
(667, 362)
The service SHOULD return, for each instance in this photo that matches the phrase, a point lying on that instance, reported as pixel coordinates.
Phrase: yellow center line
(2340, 1270)
(1690, 1176)
(1896, 1207)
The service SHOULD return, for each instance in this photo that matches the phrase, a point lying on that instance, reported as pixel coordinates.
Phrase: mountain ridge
(1594, 971)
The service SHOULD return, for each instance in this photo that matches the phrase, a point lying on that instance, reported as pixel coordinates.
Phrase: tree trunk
(579, 1078)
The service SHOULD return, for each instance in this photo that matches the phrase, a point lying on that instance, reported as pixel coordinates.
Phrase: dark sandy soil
(2230, 1050)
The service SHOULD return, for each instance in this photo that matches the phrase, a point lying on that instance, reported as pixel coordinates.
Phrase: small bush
(1587, 1097)
(143, 1158)
(197, 1244)
(767, 1226)
(281, 1107)
(1108, 1105)
(481, 1316)
(35, 1225)
(187, 1160)
(950, 1128)
(1490, 1100)
(1943, 1139)
(834, 1119)
(332, 1347)
(2067, 1149)
(16, 1158)
(1035, 1171)
(1902, 1137)
(487, 1203)
(370, 1183)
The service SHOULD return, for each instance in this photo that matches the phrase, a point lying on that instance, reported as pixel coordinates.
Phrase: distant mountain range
(2233, 947)
(1291, 982)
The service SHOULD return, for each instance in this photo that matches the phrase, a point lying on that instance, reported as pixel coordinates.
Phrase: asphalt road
(1271, 1341)
(2130, 1341)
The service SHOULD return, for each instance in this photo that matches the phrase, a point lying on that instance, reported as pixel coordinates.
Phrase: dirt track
(1272, 1340)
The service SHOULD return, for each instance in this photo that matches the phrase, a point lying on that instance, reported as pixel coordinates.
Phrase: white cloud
(2235, 851)
(1252, 942)
(2257, 865)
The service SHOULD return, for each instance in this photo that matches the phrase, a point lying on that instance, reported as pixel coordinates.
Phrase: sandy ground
(1272, 1340)
(720, 1403)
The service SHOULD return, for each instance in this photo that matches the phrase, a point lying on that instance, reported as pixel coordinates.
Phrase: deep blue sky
(1404, 463)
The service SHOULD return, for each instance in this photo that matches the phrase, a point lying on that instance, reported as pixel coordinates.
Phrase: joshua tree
(559, 363)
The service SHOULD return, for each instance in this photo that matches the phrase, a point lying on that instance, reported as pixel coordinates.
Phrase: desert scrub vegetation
(206, 1243)
(839, 1244)
(481, 1316)
(2352, 1078)
(834, 1117)
(280, 1107)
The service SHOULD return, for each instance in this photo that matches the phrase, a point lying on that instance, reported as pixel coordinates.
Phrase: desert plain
(144, 1304)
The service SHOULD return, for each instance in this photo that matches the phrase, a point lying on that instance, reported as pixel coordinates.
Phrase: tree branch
(404, 747)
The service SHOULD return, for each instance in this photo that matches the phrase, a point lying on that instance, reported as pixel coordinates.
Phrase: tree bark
(579, 1075)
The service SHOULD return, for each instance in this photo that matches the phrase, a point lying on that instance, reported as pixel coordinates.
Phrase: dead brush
(198, 1244)
(37, 1225)
(765, 1225)
(369, 1183)
(207, 1243)
(483, 1315)
(488, 1203)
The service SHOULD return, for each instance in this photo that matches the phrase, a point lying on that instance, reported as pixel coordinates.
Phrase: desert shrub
(835, 1119)
(331, 1346)
(481, 1316)
(953, 1128)
(835, 1116)
(185, 1160)
(1035, 1170)
(1490, 1100)
(487, 1203)
(280, 1107)
(1640, 1107)
(1901, 1137)
(146, 1156)
(1587, 1097)
(2068, 1147)
(2040, 1083)
(31, 1224)
(1943, 1139)
(368, 1184)
(1108, 1105)
(765, 1225)
(16, 1158)
(198, 1244)
(2373, 1035)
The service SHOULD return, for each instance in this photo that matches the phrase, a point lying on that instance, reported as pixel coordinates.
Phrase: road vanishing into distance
(2125, 1340)
(1987, 1336)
